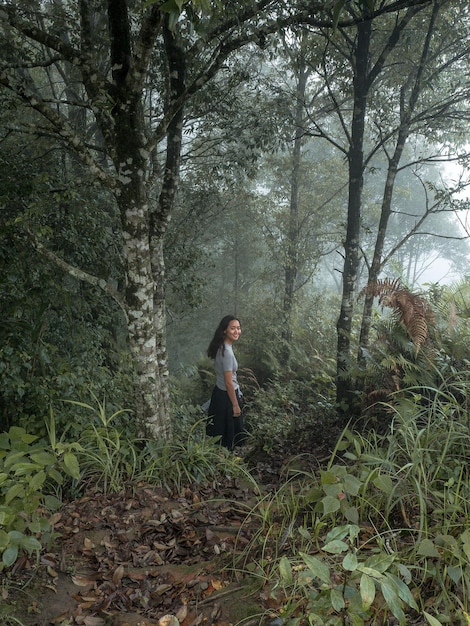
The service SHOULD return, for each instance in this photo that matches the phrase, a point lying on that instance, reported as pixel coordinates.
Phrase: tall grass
(407, 492)
(110, 459)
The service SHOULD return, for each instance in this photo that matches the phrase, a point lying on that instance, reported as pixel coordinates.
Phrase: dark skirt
(221, 422)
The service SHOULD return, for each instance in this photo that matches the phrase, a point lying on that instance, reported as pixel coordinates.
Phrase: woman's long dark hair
(219, 335)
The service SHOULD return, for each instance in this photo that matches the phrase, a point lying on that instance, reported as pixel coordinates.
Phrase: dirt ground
(145, 557)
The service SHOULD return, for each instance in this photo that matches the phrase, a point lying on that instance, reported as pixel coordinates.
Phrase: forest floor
(146, 557)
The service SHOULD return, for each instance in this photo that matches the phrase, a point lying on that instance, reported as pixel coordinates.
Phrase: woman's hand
(236, 410)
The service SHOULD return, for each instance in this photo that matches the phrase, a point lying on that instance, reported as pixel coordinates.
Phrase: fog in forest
(260, 164)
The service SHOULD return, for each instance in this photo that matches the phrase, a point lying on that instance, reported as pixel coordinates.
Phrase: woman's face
(233, 331)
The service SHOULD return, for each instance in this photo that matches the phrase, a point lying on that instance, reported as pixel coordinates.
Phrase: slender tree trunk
(406, 110)
(176, 72)
(291, 267)
(344, 392)
(376, 265)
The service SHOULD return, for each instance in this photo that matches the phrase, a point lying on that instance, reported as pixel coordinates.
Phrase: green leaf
(330, 504)
(432, 620)
(335, 547)
(466, 549)
(317, 567)
(333, 490)
(352, 485)
(10, 555)
(337, 600)
(37, 481)
(340, 532)
(370, 572)
(43, 458)
(350, 562)
(304, 532)
(40, 525)
(6, 516)
(427, 548)
(16, 491)
(71, 465)
(384, 483)
(16, 432)
(25, 468)
(4, 539)
(314, 494)
(367, 589)
(52, 503)
(55, 475)
(27, 438)
(13, 457)
(380, 562)
(393, 601)
(402, 590)
(16, 536)
(328, 478)
(454, 573)
(404, 573)
(285, 570)
(351, 514)
(31, 544)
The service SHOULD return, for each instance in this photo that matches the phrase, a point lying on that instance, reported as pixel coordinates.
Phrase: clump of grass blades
(410, 492)
(194, 459)
(418, 482)
(283, 523)
(420, 460)
(108, 457)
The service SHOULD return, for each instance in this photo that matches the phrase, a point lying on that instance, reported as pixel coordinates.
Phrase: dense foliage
(362, 517)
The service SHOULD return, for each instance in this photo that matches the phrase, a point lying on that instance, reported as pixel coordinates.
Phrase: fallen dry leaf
(118, 574)
(168, 620)
(82, 581)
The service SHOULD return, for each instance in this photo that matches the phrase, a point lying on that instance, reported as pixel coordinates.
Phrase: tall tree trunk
(344, 392)
(176, 71)
(377, 264)
(291, 267)
(144, 293)
(407, 108)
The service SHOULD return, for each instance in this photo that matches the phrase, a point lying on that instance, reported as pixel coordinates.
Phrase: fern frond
(380, 288)
(413, 310)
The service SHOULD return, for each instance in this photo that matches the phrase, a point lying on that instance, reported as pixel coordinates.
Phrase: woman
(225, 415)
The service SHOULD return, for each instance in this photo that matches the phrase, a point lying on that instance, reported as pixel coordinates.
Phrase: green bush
(295, 414)
(31, 476)
(344, 584)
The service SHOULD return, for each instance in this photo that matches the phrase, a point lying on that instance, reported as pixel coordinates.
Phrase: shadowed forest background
(303, 166)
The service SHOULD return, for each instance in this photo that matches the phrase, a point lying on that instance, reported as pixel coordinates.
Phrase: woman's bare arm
(231, 393)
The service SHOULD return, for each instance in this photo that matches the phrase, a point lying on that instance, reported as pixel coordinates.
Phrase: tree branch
(77, 273)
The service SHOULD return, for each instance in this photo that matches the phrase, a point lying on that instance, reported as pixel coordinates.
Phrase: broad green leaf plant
(31, 476)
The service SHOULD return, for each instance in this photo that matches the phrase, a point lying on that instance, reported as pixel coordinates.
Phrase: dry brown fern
(412, 309)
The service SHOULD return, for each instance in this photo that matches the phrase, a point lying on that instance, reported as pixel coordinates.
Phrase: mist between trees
(161, 169)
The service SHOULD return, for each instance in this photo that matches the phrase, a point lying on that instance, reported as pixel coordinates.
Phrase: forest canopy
(162, 164)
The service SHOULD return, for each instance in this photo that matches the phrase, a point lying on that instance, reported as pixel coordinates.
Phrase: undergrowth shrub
(296, 414)
(190, 459)
(382, 531)
(110, 458)
(343, 583)
(31, 477)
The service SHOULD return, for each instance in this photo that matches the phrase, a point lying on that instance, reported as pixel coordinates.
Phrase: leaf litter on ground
(144, 554)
